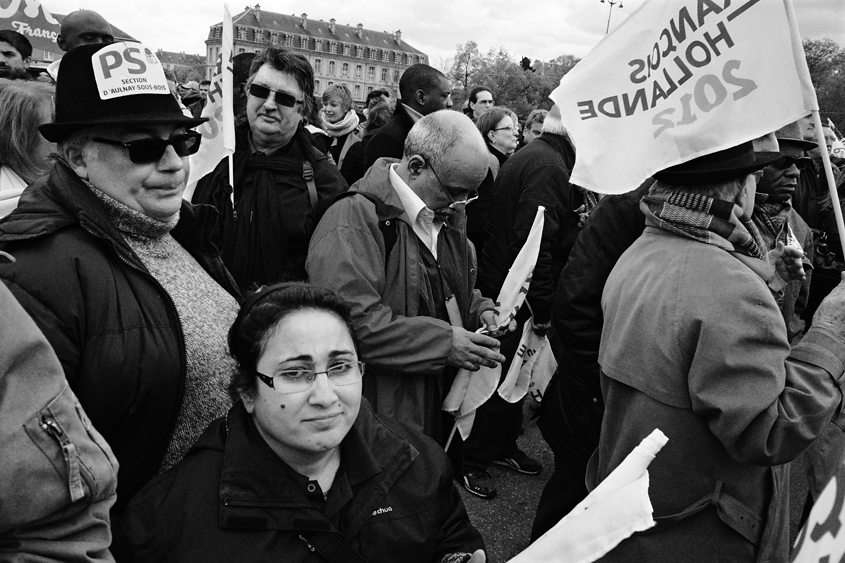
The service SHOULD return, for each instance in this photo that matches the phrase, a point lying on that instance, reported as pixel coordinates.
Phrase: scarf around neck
(342, 127)
(705, 219)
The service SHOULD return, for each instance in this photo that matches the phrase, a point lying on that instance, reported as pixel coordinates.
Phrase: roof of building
(170, 57)
(119, 34)
(318, 29)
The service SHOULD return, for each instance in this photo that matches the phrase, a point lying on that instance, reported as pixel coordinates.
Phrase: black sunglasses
(281, 98)
(144, 151)
(800, 162)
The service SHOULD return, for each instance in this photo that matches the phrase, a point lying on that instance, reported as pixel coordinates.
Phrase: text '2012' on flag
(218, 133)
(680, 79)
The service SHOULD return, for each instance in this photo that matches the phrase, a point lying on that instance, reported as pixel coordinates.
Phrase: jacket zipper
(71, 457)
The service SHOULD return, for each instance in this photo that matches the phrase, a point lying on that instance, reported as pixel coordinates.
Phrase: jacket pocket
(82, 459)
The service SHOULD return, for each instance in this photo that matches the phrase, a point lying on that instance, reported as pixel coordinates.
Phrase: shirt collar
(412, 113)
(411, 202)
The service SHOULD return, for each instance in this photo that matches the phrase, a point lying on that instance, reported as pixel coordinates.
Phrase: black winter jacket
(389, 141)
(233, 499)
(114, 328)
(536, 175)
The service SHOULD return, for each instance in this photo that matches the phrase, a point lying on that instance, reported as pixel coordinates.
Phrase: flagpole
(451, 435)
(831, 183)
(232, 178)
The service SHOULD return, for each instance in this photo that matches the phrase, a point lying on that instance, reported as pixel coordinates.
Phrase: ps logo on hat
(120, 70)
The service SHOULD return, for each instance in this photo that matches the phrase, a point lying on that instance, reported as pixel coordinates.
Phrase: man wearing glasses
(397, 250)
(282, 183)
(116, 268)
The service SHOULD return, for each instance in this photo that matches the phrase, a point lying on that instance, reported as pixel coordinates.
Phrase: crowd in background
(259, 372)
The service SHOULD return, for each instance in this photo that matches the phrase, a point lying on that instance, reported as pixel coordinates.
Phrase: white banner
(823, 536)
(470, 389)
(218, 133)
(680, 79)
(532, 367)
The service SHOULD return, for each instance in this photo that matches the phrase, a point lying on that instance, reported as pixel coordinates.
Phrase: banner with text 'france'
(32, 20)
(680, 79)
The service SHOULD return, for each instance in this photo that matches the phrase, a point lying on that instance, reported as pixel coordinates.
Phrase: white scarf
(342, 127)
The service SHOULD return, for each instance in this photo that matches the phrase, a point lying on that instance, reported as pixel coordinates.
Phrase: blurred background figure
(480, 101)
(533, 127)
(353, 167)
(340, 122)
(15, 55)
(497, 129)
(23, 151)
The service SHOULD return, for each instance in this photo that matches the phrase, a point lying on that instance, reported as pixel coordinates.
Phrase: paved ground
(505, 522)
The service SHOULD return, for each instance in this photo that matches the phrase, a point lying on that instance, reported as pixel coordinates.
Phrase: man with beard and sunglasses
(282, 184)
(396, 248)
(117, 269)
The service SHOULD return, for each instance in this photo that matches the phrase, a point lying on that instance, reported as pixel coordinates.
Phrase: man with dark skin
(84, 27)
(422, 90)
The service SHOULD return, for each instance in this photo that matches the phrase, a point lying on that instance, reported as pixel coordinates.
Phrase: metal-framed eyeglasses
(281, 98)
(471, 196)
(302, 379)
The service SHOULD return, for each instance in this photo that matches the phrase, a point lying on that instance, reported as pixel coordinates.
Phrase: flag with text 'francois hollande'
(218, 133)
(680, 79)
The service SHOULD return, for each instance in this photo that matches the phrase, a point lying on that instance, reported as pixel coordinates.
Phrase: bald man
(82, 27)
(396, 249)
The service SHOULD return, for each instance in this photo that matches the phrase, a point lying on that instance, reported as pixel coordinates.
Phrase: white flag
(680, 79)
(823, 536)
(218, 133)
(618, 507)
(471, 389)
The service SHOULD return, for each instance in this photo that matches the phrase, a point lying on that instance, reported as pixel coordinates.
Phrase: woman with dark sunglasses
(301, 469)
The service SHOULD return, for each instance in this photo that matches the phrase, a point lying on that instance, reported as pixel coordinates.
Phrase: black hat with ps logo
(115, 84)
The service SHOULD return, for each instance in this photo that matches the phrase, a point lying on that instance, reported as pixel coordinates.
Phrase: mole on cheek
(283, 406)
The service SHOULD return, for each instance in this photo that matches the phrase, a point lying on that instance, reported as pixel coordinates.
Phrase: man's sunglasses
(281, 98)
(144, 151)
(800, 162)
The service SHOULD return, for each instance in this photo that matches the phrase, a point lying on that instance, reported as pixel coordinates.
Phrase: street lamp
(612, 4)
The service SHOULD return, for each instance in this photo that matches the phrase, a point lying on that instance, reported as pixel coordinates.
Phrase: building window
(316, 86)
(372, 54)
(344, 69)
(289, 40)
(259, 36)
(241, 50)
(48, 56)
(384, 56)
(384, 75)
(274, 38)
(371, 73)
(303, 42)
(357, 91)
(347, 50)
(359, 71)
(331, 84)
(396, 76)
(241, 33)
(333, 47)
(318, 45)
(318, 66)
(359, 51)
(331, 68)
(218, 32)
(369, 89)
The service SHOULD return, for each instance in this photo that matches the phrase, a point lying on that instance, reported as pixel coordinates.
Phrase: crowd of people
(259, 373)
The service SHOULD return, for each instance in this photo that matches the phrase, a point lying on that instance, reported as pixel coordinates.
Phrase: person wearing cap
(117, 270)
(693, 344)
(15, 55)
(282, 184)
(780, 225)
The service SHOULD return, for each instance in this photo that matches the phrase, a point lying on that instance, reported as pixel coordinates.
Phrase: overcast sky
(538, 29)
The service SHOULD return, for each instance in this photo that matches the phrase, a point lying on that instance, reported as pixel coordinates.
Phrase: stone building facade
(361, 59)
